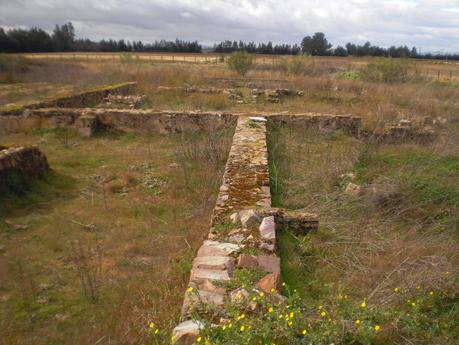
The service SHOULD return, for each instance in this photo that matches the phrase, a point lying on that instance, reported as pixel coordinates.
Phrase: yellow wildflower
(156, 331)
(199, 339)
(291, 314)
(281, 316)
(152, 325)
(357, 322)
(377, 328)
(190, 289)
(304, 332)
(363, 304)
(290, 323)
(242, 328)
(396, 289)
(431, 293)
(273, 290)
(323, 313)
(270, 309)
(283, 284)
(413, 304)
(261, 293)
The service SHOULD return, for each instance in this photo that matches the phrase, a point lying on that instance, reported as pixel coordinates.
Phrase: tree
(240, 62)
(316, 45)
(340, 51)
(64, 37)
(306, 45)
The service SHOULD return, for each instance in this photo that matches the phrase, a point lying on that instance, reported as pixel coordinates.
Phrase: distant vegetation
(63, 39)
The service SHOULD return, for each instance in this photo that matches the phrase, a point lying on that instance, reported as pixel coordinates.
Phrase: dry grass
(401, 233)
(122, 214)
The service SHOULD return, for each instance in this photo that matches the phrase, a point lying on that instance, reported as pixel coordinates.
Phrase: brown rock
(353, 189)
(269, 282)
(269, 264)
(247, 261)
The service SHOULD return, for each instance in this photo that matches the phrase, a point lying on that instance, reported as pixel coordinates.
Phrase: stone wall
(82, 99)
(349, 124)
(245, 189)
(28, 160)
(121, 119)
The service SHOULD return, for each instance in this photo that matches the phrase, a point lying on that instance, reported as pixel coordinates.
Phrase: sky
(432, 25)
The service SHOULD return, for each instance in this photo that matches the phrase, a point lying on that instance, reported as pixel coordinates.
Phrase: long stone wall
(27, 160)
(245, 189)
(81, 99)
(164, 121)
(323, 122)
(121, 119)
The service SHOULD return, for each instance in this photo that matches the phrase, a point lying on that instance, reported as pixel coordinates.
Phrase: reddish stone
(270, 264)
(269, 282)
(247, 261)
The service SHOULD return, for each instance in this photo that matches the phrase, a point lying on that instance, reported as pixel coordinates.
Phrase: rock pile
(113, 101)
(409, 130)
(29, 161)
(274, 95)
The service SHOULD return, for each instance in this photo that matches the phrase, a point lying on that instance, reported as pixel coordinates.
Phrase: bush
(387, 70)
(295, 65)
(240, 62)
(351, 75)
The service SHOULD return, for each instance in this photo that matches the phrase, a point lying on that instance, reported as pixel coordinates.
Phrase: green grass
(408, 213)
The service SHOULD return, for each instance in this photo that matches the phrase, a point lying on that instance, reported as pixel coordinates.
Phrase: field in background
(439, 69)
(103, 245)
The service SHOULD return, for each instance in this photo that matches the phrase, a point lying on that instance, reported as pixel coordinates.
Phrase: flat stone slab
(220, 263)
(257, 119)
(198, 275)
(215, 248)
(269, 264)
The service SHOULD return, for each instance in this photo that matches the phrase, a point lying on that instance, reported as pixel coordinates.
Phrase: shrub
(387, 70)
(351, 75)
(240, 62)
(299, 65)
(295, 65)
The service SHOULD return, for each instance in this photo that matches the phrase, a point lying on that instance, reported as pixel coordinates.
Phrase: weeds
(88, 264)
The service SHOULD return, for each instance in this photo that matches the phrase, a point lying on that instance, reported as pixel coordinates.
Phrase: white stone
(258, 119)
(186, 332)
(249, 218)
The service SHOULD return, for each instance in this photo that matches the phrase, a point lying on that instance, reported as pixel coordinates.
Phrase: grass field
(121, 213)
(387, 258)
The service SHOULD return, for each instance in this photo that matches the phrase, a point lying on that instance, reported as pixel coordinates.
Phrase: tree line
(63, 39)
(260, 48)
(318, 45)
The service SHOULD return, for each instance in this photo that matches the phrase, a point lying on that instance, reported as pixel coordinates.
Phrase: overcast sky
(432, 25)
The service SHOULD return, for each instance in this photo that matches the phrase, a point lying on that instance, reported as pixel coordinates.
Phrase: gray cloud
(430, 24)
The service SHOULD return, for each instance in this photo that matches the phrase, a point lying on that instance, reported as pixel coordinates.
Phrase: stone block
(247, 261)
(186, 332)
(215, 248)
(268, 230)
(220, 263)
(269, 263)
